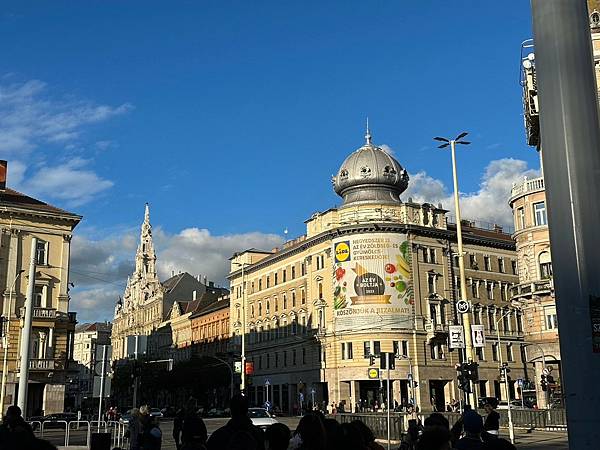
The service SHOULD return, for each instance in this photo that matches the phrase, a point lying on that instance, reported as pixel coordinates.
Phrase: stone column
(11, 273)
(354, 395)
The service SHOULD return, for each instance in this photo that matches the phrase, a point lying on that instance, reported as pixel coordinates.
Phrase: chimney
(3, 170)
(204, 280)
(211, 284)
(172, 273)
(194, 295)
(198, 278)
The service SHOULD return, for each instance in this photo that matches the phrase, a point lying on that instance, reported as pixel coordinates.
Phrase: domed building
(377, 275)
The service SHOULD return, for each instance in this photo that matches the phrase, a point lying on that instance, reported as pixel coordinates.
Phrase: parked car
(481, 401)
(156, 413)
(126, 417)
(58, 420)
(260, 417)
(168, 411)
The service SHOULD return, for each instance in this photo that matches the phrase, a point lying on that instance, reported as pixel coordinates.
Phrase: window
(293, 299)
(294, 325)
(404, 348)
(284, 301)
(473, 262)
(487, 263)
(41, 253)
(294, 357)
(366, 349)
(437, 351)
(491, 319)
(432, 258)
(479, 353)
(504, 292)
(276, 303)
(433, 313)
(38, 296)
(303, 356)
(539, 211)
(519, 322)
(349, 352)
(509, 352)
(475, 288)
(425, 253)
(260, 284)
(376, 347)
(268, 307)
(320, 291)
(513, 266)
(276, 278)
(520, 218)
(501, 267)
(506, 323)
(495, 351)
(431, 278)
(455, 262)
(303, 269)
(551, 318)
(489, 287)
(303, 296)
(545, 265)
(268, 281)
(477, 316)
(293, 272)
(259, 308)
(343, 350)
(284, 275)
(284, 358)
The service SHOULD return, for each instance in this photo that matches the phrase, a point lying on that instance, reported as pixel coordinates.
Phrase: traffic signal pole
(570, 136)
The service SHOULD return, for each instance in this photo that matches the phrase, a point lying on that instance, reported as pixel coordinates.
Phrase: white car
(260, 417)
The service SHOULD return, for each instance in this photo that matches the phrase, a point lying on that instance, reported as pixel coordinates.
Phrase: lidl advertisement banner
(372, 282)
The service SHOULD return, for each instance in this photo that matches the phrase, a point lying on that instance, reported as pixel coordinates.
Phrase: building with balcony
(373, 275)
(22, 218)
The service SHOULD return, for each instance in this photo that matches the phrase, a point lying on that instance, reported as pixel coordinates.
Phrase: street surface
(536, 440)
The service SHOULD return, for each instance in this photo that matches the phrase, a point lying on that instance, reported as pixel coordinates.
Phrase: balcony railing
(541, 287)
(527, 186)
(41, 313)
(40, 364)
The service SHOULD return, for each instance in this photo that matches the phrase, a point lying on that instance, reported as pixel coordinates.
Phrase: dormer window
(595, 19)
(389, 171)
(365, 171)
(343, 174)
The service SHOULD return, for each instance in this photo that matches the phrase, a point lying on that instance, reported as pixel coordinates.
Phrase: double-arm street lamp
(461, 255)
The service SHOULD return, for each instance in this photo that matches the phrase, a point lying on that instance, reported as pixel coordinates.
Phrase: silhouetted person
(239, 431)
(309, 434)
(434, 438)
(14, 431)
(493, 442)
(277, 437)
(367, 435)
(492, 420)
(190, 427)
(333, 433)
(473, 426)
(437, 420)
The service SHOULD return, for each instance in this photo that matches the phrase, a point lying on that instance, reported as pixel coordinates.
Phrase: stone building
(373, 275)
(210, 325)
(147, 303)
(22, 218)
(87, 337)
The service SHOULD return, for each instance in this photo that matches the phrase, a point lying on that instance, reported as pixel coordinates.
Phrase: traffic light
(544, 383)
(550, 379)
(371, 360)
(464, 377)
(472, 371)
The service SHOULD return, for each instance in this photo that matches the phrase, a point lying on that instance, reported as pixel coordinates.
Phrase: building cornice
(417, 230)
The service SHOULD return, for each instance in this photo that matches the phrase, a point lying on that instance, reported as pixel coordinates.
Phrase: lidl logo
(342, 251)
(373, 374)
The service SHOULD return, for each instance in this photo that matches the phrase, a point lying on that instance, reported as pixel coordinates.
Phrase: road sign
(237, 366)
(478, 335)
(373, 374)
(520, 382)
(301, 397)
(312, 391)
(462, 306)
(267, 382)
(456, 336)
(409, 376)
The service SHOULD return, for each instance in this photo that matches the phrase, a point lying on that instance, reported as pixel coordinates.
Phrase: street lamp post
(461, 255)
(5, 343)
(243, 340)
(511, 428)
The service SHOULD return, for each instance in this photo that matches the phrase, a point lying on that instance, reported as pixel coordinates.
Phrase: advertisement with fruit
(372, 282)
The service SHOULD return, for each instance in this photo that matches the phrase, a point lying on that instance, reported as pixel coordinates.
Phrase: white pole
(461, 269)
(102, 385)
(26, 333)
(243, 377)
(387, 361)
(511, 430)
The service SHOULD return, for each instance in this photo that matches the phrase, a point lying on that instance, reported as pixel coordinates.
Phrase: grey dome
(370, 175)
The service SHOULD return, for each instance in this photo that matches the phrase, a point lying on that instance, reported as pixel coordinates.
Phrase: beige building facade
(21, 219)
(374, 275)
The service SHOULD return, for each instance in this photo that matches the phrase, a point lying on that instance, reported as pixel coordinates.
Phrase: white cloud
(488, 204)
(99, 267)
(39, 134)
(386, 148)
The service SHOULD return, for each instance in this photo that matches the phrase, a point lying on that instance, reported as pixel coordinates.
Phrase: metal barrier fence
(546, 419)
(79, 432)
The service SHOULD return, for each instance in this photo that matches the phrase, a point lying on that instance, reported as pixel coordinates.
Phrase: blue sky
(229, 117)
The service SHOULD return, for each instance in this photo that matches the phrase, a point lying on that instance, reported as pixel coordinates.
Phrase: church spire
(368, 135)
(147, 214)
(145, 258)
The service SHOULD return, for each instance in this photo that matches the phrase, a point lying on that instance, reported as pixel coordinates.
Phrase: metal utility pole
(102, 385)
(26, 333)
(387, 365)
(243, 340)
(504, 373)
(466, 318)
(570, 137)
